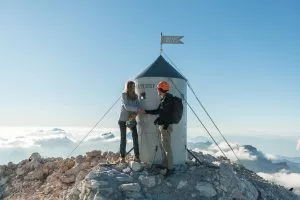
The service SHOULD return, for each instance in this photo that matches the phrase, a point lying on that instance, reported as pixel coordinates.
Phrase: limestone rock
(206, 189)
(147, 181)
(35, 157)
(131, 187)
(88, 177)
(135, 166)
(3, 181)
(68, 179)
(181, 184)
(94, 153)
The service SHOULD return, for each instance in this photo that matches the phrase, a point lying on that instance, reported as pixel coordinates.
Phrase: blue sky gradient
(63, 63)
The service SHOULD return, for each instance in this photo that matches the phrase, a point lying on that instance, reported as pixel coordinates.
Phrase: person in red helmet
(164, 121)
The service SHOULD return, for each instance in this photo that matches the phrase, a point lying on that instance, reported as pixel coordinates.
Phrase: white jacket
(128, 107)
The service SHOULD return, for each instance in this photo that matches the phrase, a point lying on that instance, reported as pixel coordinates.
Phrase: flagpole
(161, 43)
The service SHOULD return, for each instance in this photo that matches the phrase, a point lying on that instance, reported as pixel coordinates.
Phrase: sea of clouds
(18, 143)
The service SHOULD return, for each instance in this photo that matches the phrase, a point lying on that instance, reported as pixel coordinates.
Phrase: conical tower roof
(160, 68)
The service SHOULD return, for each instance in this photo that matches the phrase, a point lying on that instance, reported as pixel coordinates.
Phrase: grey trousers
(165, 146)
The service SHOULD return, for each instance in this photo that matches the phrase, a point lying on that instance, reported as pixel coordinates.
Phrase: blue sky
(63, 63)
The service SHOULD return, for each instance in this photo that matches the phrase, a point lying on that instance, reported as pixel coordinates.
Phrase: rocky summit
(97, 176)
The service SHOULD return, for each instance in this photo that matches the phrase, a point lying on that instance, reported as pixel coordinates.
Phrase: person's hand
(165, 127)
(156, 121)
(132, 116)
(141, 111)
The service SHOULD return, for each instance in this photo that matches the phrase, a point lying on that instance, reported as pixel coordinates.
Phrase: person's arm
(126, 105)
(166, 113)
(152, 112)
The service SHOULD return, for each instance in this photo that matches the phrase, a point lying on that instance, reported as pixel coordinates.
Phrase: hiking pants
(166, 146)
(123, 141)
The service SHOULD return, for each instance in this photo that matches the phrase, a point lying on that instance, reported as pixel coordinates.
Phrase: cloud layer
(54, 143)
(286, 179)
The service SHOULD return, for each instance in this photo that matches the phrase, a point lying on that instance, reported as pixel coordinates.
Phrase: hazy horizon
(35, 137)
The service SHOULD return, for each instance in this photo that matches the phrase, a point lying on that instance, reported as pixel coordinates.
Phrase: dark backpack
(177, 110)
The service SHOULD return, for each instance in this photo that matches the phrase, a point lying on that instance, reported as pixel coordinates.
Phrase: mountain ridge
(96, 175)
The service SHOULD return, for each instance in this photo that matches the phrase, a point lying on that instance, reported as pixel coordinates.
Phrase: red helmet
(163, 85)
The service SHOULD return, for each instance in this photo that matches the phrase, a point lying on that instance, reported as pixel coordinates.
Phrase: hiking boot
(169, 172)
(137, 159)
(122, 160)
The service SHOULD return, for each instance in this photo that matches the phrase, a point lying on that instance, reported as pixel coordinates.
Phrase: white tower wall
(149, 135)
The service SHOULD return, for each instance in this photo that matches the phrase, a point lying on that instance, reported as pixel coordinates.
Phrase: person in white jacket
(129, 109)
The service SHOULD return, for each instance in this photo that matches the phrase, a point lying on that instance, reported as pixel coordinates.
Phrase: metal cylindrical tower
(149, 135)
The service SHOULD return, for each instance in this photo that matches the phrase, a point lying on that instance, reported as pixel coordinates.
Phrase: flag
(171, 39)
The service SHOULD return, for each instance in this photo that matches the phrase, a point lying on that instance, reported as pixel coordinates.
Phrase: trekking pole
(156, 148)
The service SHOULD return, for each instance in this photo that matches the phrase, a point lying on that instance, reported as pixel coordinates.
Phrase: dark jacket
(164, 111)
